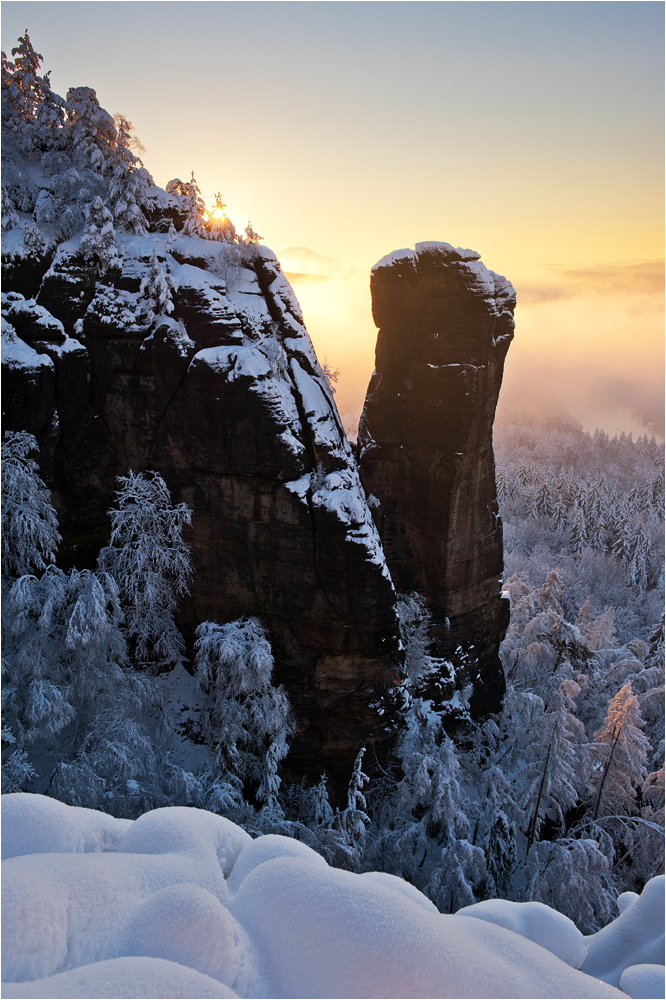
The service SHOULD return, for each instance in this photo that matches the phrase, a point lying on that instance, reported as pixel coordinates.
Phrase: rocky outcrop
(226, 399)
(425, 449)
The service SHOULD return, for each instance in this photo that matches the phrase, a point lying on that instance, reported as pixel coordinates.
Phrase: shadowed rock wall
(226, 399)
(425, 447)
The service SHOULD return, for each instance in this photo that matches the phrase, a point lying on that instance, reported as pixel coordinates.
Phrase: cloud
(555, 282)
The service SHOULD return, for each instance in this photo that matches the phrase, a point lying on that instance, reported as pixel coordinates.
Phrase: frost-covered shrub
(151, 563)
(246, 716)
(29, 522)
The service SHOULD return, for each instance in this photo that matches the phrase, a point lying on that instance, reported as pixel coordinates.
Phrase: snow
(120, 978)
(394, 257)
(341, 493)
(636, 937)
(183, 903)
(538, 923)
(643, 981)
(35, 824)
(17, 354)
(235, 362)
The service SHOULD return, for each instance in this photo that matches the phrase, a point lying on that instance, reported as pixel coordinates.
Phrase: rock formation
(425, 449)
(225, 398)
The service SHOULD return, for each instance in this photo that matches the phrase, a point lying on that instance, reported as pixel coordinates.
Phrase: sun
(217, 213)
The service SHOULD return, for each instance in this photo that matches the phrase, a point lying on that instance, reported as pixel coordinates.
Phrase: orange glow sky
(531, 132)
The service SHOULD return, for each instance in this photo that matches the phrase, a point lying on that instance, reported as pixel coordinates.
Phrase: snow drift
(183, 903)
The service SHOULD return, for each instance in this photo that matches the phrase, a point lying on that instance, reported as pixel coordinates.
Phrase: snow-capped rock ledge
(183, 903)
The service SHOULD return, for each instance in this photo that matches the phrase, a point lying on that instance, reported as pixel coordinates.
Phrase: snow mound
(35, 824)
(268, 848)
(192, 832)
(536, 922)
(120, 978)
(643, 982)
(636, 937)
(114, 908)
(303, 917)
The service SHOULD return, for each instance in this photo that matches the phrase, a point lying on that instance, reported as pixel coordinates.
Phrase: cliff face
(425, 446)
(226, 399)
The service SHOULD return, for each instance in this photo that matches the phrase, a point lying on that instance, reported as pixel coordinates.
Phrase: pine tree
(98, 239)
(251, 236)
(10, 219)
(621, 750)
(557, 772)
(194, 205)
(218, 225)
(354, 819)
(640, 556)
(64, 651)
(28, 103)
(322, 813)
(656, 644)
(414, 623)
(91, 131)
(157, 288)
(577, 530)
(151, 563)
(126, 192)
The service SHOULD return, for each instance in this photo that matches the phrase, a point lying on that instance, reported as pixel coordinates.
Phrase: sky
(531, 132)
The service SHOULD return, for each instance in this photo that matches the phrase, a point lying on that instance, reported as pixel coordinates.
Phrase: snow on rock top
(467, 262)
(394, 257)
(153, 916)
(17, 354)
(235, 362)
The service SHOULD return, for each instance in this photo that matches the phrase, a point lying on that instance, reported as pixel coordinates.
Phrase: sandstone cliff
(425, 449)
(226, 398)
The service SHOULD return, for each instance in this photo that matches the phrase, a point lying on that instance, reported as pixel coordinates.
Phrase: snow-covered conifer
(29, 522)
(98, 239)
(246, 716)
(556, 774)
(171, 237)
(33, 240)
(353, 820)
(127, 189)
(251, 236)
(656, 644)
(64, 651)
(157, 288)
(640, 557)
(10, 219)
(151, 563)
(218, 226)
(620, 750)
(196, 207)
(90, 130)
(322, 813)
(28, 103)
(578, 530)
